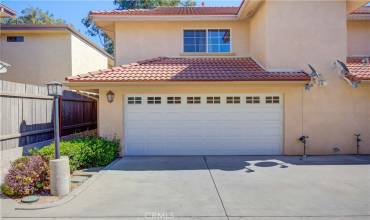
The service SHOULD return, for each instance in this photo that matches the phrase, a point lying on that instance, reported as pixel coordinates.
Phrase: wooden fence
(26, 114)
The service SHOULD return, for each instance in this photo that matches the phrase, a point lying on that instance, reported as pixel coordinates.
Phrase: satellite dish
(3, 67)
(314, 73)
(344, 70)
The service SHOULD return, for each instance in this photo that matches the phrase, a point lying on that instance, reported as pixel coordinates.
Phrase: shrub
(83, 152)
(26, 176)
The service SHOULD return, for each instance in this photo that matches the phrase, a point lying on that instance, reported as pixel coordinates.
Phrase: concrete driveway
(221, 187)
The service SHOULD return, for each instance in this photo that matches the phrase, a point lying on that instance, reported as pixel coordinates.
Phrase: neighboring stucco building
(235, 80)
(42, 53)
(5, 12)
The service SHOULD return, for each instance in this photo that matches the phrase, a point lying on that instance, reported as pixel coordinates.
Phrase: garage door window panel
(194, 100)
(252, 99)
(272, 99)
(134, 100)
(154, 100)
(233, 100)
(213, 100)
(174, 100)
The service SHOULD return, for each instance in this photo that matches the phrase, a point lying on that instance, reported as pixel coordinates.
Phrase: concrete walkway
(221, 187)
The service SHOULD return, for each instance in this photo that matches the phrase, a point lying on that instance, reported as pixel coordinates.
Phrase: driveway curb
(70, 196)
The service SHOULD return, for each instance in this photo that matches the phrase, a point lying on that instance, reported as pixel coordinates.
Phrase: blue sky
(73, 11)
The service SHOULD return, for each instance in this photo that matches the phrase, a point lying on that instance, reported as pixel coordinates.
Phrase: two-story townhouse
(40, 53)
(235, 80)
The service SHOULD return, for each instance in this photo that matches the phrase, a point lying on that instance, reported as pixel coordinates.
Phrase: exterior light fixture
(303, 140)
(308, 86)
(110, 96)
(55, 89)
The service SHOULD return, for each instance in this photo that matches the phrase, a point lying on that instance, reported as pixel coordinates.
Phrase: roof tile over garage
(190, 69)
(359, 68)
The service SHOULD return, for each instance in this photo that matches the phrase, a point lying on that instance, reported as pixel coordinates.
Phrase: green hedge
(83, 152)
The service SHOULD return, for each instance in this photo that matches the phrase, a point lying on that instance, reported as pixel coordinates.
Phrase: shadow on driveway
(231, 163)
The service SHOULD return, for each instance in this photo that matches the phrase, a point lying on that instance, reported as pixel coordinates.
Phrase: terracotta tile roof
(190, 69)
(362, 13)
(362, 10)
(171, 11)
(359, 68)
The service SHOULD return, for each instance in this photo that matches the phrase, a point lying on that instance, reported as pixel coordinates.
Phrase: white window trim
(206, 29)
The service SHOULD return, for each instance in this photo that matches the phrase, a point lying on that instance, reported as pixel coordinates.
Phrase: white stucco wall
(358, 38)
(135, 41)
(86, 58)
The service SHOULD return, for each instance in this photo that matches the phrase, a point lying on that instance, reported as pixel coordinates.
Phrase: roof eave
(164, 17)
(162, 82)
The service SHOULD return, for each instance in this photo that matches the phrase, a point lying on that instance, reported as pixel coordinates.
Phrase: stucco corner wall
(358, 38)
(257, 35)
(110, 115)
(86, 58)
(302, 32)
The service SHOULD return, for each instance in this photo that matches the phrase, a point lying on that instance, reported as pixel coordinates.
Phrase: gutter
(165, 18)
(151, 83)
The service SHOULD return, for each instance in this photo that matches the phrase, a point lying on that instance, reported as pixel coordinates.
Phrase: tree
(189, 3)
(105, 40)
(94, 30)
(33, 15)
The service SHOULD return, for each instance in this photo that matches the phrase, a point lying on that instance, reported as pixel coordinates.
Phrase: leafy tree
(33, 15)
(188, 3)
(94, 30)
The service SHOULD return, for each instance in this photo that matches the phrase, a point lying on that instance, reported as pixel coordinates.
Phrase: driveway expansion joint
(215, 185)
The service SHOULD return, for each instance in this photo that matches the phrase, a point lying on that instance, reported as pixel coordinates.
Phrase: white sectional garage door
(212, 124)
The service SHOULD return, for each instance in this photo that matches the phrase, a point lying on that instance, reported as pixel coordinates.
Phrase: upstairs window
(195, 41)
(15, 39)
(218, 40)
(207, 41)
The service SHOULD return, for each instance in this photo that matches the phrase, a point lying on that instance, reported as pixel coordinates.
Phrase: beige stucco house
(42, 53)
(236, 80)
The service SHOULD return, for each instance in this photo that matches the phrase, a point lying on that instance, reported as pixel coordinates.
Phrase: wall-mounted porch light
(110, 96)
